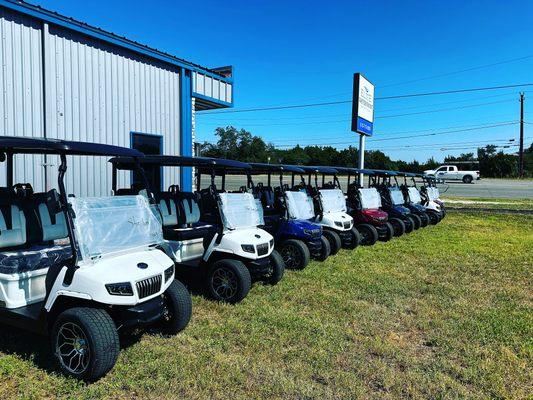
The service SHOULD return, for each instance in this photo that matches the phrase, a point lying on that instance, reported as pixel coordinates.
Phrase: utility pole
(521, 148)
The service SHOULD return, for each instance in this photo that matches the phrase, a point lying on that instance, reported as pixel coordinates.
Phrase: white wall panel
(21, 101)
(100, 93)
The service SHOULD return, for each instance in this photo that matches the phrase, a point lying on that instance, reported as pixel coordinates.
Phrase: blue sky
(304, 52)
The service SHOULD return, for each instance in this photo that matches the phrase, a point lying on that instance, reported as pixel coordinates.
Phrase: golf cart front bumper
(382, 230)
(346, 238)
(142, 314)
(258, 268)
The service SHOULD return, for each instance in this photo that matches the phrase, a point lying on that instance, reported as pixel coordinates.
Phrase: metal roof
(89, 30)
(26, 145)
(206, 163)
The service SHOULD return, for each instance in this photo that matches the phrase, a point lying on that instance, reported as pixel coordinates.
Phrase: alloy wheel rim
(290, 256)
(224, 283)
(72, 347)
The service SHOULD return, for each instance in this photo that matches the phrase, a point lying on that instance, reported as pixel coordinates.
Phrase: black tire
(295, 254)
(334, 240)
(424, 219)
(92, 336)
(389, 232)
(417, 223)
(468, 179)
(228, 281)
(277, 268)
(433, 218)
(325, 251)
(409, 224)
(369, 234)
(178, 308)
(398, 226)
(355, 239)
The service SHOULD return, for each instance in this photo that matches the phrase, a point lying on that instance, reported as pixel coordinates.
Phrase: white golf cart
(330, 208)
(215, 230)
(431, 199)
(81, 269)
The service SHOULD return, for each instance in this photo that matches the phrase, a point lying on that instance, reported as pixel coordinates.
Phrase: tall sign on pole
(362, 114)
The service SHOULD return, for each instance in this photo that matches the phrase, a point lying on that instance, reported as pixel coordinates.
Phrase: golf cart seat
(12, 220)
(266, 195)
(181, 216)
(52, 219)
(22, 234)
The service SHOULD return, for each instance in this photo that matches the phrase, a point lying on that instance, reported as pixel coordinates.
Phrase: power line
(293, 106)
(413, 136)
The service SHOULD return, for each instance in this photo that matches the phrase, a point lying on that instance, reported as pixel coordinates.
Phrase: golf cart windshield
(414, 195)
(370, 198)
(332, 200)
(240, 210)
(299, 205)
(396, 195)
(433, 193)
(107, 225)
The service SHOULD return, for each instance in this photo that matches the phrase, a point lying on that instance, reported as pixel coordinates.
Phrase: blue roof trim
(211, 99)
(72, 24)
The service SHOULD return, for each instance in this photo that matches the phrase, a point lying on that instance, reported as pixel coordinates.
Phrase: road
(487, 188)
(490, 188)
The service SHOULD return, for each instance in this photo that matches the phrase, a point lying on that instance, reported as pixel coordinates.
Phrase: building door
(149, 145)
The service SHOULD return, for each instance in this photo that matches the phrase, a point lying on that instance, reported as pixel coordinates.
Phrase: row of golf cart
(83, 270)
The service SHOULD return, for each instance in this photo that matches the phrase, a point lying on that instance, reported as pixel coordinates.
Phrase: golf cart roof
(204, 163)
(262, 168)
(26, 145)
(408, 174)
(318, 169)
(384, 172)
(353, 171)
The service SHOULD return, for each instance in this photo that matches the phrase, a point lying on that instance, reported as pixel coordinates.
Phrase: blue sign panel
(364, 126)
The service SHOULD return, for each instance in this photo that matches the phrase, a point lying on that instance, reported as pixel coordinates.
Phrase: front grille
(149, 286)
(262, 249)
(347, 224)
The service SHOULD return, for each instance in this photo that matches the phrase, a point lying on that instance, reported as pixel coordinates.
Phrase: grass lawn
(488, 203)
(445, 312)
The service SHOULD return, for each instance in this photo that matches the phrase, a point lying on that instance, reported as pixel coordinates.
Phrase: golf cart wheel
(295, 254)
(417, 223)
(178, 308)
(325, 250)
(424, 219)
(389, 232)
(334, 240)
(353, 242)
(398, 226)
(229, 281)
(409, 224)
(369, 234)
(277, 268)
(467, 179)
(85, 342)
(433, 218)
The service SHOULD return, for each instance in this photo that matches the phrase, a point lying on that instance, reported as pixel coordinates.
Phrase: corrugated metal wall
(212, 87)
(94, 92)
(21, 101)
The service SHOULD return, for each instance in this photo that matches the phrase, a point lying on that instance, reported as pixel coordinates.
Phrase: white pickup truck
(451, 172)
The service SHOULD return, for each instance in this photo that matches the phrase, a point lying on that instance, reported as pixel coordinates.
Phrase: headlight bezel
(119, 289)
(248, 248)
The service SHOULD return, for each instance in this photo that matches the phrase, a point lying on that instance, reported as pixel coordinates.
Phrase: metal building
(60, 78)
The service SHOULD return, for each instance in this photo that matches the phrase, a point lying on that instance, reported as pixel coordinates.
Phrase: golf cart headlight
(248, 248)
(338, 223)
(168, 273)
(271, 243)
(119, 289)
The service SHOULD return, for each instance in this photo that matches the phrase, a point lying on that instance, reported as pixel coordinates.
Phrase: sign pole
(361, 164)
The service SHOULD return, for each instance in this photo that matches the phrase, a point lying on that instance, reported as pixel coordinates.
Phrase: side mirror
(3, 157)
